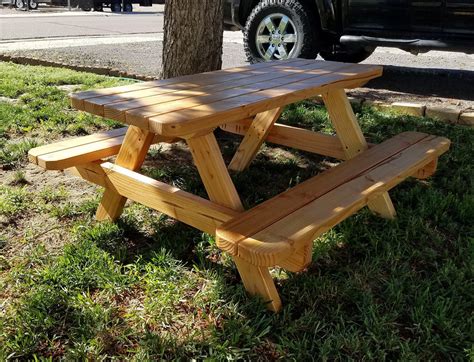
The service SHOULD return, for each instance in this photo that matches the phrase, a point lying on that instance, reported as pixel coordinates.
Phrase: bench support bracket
(300, 259)
(253, 139)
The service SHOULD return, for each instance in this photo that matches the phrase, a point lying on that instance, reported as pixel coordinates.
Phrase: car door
(426, 16)
(459, 18)
(375, 17)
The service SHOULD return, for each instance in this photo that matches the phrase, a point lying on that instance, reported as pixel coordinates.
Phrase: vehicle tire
(116, 7)
(127, 8)
(20, 4)
(347, 56)
(280, 29)
(98, 7)
(33, 4)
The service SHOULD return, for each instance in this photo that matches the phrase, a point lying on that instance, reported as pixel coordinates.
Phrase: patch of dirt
(35, 227)
(8, 100)
(39, 178)
(69, 88)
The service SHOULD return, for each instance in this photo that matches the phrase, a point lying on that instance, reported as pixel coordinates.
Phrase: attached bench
(280, 231)
(81, 150)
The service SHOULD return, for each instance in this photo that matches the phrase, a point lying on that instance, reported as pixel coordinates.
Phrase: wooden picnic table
(246, 100)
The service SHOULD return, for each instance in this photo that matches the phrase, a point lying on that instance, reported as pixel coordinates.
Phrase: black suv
(349, 30)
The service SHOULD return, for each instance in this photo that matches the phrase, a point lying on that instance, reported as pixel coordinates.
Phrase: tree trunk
(193, 37)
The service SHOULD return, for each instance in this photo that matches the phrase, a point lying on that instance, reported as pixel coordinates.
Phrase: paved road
(20, 25)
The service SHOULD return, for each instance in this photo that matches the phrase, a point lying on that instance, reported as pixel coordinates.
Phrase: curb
(445, 114)
(465, 75)
(80, 68)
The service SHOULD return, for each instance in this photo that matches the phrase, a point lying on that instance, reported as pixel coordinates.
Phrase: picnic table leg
(131, 155)
(253, 139)
(210, 164)
(353, 141)
(258, 281)
(220, 188)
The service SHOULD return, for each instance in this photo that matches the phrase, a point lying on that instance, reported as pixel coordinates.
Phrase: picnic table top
(189, 104)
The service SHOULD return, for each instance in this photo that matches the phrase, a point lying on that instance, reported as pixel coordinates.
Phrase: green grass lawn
(148, 287)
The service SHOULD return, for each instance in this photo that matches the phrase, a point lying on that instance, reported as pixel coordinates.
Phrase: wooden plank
(79, 155)
(299, 138)
(178, 204)
(277, 242)
(273, 80)
(215, 76)
(258, 281)
(211, 115)
(150, 106)
(383, 206)
(427, 171)
(345, 122)
(92, 172)
(108, 105)
(36, 152)
(353, 141)
(208, 160)
(77, 151)
(221, 190)
(163, 139)
(300, 259)
(253, 139)
(277, 208)
(131, 155)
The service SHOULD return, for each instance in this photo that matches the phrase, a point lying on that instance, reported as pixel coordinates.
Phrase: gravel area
(141, 58)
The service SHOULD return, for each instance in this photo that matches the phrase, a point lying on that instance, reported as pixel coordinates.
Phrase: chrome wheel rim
(33, 3)
(276, 37)
(19, 4)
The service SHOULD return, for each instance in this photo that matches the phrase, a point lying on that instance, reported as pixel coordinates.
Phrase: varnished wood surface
(275, 229)
(185, 105)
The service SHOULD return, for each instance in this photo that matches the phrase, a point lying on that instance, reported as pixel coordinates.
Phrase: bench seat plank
(67, 153)
(272, 231)
(78, 155)
(270, 211)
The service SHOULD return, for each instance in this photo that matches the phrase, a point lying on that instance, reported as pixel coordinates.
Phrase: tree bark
(193, 32)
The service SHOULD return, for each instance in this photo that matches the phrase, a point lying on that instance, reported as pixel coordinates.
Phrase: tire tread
(309, 49)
